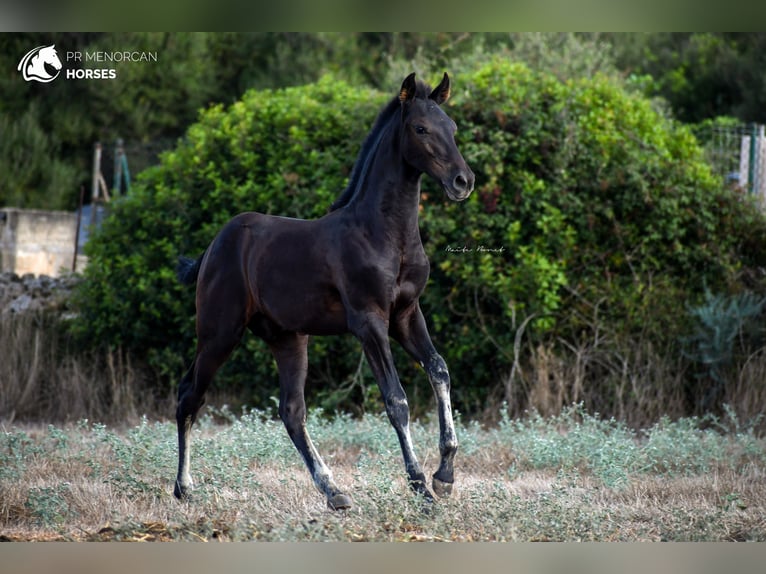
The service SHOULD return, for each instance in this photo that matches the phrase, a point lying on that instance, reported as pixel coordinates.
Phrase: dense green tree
(149, 106)
(702, 74)
(40, 165)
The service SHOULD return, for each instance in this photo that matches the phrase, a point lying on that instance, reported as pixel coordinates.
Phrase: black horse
(361, 269)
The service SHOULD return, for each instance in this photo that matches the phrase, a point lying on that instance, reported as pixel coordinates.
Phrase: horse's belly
(332, 321)
(314, 311)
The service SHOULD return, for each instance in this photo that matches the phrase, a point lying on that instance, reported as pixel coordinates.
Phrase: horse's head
(428, 138)
(50, 56)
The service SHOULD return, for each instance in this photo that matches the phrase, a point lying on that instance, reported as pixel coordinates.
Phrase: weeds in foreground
(570, 477)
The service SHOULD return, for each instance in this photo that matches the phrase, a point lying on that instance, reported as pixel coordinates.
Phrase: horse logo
(33, 65)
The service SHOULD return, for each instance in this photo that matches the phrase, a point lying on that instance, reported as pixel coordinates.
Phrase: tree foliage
(700, 75)
(593, 212)
(152, 104)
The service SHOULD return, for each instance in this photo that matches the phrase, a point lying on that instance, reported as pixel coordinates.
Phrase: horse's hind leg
(291, 354)
(185, 416)
(211, 354)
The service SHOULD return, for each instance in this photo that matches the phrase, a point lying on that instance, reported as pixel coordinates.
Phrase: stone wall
(36, 242)
(19, 294)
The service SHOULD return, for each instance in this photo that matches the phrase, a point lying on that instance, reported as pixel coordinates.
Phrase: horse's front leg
(372, 331)
(411, 332)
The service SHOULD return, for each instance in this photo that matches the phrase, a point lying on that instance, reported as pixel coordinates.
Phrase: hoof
(339, 502)
(426, 503)
(182, 492)
(441, 489)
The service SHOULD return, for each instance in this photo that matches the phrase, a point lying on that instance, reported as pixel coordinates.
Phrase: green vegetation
(565, 478)
(699, 76)
(596, 224)
(152, 105)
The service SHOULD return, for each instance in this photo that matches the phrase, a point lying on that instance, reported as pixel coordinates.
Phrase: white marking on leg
(184, 476)
(323, 476)
(414, 465)
(400, 401)
(448, 438)
(321, 473)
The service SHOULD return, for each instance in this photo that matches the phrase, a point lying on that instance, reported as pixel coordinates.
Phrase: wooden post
(77, 230)
(119, 152)
(96, 170)
(96, 182)
(752, 159)
(760, 164)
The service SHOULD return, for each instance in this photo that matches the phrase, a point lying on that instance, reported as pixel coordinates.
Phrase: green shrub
(726, 329)
(586, 198)
(588, 202)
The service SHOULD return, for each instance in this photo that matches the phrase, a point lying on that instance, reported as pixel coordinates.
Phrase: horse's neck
(391, 196)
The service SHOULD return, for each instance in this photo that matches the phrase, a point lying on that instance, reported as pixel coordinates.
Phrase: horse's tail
(187, 269)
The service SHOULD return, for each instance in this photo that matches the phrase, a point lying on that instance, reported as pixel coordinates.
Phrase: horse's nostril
(463, 182)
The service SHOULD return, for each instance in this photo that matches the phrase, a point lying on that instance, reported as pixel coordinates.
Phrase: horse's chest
(411, 279)
(382, 275)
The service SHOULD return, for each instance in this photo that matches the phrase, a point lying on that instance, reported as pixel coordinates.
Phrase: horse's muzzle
(461, 185)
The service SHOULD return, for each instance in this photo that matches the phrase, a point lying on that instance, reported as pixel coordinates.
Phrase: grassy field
(567, 478)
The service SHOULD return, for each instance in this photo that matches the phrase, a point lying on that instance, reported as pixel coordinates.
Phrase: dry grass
(567, 475)
(629, 381)
(41, 379)
(44, 378)
(88, 482)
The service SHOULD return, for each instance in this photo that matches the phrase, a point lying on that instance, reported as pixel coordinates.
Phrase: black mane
(370, 145)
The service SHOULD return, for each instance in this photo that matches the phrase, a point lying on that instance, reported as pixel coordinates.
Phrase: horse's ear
(442, 91)
(408, 88)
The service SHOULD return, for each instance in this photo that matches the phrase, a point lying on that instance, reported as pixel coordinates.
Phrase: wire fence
(738, 153)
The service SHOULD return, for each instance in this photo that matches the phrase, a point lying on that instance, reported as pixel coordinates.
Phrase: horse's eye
(420, 130)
